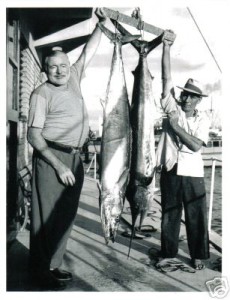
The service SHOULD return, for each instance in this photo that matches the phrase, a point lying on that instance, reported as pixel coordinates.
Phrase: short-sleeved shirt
(171, 151)
(60, 111)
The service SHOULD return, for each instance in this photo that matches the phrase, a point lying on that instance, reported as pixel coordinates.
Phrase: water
(217, 197)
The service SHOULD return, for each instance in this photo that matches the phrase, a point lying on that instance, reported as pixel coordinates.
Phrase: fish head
(111, 209)
(139, 199)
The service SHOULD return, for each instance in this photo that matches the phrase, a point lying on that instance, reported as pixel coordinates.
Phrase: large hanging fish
(140, 191)
(116, 141)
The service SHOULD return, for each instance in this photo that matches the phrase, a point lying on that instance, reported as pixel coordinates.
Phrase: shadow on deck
(98, 267)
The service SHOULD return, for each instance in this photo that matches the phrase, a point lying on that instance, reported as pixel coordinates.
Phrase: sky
(190, 55)
(197, 52)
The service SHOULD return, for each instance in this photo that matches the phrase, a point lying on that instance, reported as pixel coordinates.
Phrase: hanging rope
(204, 40)
(137, 15)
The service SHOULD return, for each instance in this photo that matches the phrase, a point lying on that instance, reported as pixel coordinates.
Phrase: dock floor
(98, 267)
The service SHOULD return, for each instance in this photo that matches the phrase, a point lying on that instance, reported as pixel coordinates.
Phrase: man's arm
(37, 141)
(190, 141)
(167, 84)
(93, 43)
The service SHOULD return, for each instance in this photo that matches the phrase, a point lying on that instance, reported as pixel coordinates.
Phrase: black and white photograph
(113, 130)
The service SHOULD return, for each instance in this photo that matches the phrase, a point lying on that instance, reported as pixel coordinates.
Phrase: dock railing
(214, 160)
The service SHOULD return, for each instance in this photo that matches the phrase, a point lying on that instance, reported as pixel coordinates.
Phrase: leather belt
(63, 148)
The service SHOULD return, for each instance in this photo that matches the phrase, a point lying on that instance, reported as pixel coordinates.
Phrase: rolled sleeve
(38, 111)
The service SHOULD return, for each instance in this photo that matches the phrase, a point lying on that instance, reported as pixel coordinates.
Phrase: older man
(182, 177)
(58, 126)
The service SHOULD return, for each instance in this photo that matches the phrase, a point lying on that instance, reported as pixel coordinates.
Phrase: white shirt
(170, 150)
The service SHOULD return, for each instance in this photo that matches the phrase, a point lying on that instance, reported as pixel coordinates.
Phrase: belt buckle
(74, 151)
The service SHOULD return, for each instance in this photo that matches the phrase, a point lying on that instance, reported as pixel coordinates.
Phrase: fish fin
(153, 44)
(123, 179)
(152, 77)
(113, 36)
(135, 43)
(110, 35)
(129, 38)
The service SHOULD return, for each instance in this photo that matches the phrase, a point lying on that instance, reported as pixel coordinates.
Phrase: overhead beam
(117, 16)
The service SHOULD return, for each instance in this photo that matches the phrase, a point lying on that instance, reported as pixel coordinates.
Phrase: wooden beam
(116, 15)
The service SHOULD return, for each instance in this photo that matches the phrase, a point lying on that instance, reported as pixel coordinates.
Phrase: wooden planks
(119, 17)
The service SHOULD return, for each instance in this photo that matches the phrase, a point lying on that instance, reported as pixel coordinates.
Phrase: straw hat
(193, 86)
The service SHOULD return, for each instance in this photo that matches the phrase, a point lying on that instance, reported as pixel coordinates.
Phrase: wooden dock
(98, 267)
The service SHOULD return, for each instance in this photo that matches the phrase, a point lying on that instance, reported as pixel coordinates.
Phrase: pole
(204, 40)
(211, 195)
(95, 165)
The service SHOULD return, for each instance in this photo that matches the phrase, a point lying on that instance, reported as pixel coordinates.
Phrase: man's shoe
(46, 281)
(61, 275)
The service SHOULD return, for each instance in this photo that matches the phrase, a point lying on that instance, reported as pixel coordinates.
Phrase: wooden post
(211, 195)
(119, 17)
(95, 165)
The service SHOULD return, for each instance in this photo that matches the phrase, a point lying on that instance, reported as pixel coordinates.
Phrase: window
(12, 70)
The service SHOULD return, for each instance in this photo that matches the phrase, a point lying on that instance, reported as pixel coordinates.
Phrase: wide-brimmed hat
(193, 86)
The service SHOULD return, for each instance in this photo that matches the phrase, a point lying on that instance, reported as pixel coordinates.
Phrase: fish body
(115, 144)
(139, 190)
(143, 142)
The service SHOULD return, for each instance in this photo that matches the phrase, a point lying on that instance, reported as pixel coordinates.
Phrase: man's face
(189, 101)
(58, 69)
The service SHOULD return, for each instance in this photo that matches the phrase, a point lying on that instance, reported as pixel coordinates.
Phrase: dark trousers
(54, 208)
(188, 192)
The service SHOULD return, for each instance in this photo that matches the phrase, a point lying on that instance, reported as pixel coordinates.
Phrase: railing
(93, 160)
(93, 153)
(214, 160)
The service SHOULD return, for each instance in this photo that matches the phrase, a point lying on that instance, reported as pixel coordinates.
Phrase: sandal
(187, 269)
(166, 268)
(167, 265)
(135, 237)
(197, 264)
(146, 229)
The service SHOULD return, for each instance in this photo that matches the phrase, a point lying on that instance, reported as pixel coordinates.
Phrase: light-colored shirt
(60, 111)
(171, 151)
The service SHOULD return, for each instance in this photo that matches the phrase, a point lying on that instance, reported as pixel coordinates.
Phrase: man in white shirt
(182, 177)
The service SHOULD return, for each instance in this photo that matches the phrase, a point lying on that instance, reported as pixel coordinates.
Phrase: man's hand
(165, 39)
(100, 14)
(65, 174)
(173, 119)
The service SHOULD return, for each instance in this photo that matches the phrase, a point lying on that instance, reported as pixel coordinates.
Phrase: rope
(141, 24)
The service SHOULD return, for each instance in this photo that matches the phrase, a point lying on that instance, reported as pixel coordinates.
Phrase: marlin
(140, 188)
(116, 141)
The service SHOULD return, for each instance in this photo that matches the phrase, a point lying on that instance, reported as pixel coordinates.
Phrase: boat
(213, 151)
